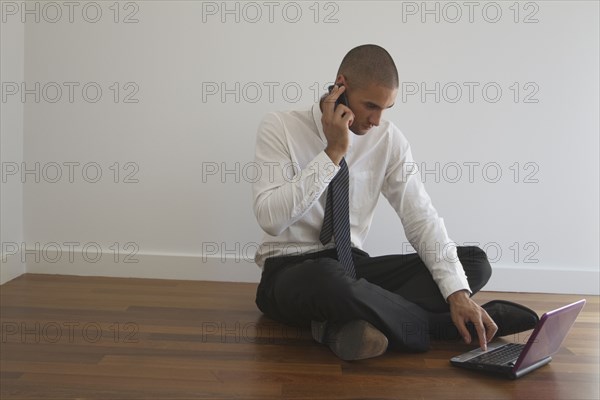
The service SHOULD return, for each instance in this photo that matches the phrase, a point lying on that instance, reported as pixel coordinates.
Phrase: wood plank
(197, 339)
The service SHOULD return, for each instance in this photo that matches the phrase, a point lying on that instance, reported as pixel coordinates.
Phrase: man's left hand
(463, 310)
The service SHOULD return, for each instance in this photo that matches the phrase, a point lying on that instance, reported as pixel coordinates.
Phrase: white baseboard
(155, 266)
(230, 269)
(10, 267)
(544, 280)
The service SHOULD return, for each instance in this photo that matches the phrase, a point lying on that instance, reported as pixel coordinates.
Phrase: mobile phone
(341, 99)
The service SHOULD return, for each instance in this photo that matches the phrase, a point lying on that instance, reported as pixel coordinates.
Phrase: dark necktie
(337, 218)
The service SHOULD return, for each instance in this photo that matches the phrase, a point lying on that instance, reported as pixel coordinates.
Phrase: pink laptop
(516, 359)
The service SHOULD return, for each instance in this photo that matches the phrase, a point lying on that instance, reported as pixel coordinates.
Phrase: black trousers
(395, 293)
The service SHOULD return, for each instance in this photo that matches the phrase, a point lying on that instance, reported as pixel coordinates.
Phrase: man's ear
(340, 80)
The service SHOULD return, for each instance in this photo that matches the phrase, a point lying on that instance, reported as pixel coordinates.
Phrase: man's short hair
(367, 64)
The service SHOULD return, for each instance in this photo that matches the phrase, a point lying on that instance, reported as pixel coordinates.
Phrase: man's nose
(375, 118)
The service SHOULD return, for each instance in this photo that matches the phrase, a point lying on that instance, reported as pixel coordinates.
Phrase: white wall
(12, 40)
(177, 142)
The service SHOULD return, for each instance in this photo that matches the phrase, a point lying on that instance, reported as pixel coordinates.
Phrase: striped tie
(337, 218)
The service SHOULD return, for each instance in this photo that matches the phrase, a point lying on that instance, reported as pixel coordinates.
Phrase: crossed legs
(394, 293)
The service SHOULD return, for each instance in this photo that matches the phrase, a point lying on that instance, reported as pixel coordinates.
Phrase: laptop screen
(549, 334)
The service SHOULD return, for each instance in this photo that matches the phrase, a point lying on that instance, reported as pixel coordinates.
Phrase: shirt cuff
(316, 177)
(453, 280)
(454, 284)
(325, 169)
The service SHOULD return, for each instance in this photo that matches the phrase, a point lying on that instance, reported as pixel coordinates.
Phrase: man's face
(368, 104)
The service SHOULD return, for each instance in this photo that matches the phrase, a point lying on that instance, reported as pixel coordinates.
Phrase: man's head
(371, 79)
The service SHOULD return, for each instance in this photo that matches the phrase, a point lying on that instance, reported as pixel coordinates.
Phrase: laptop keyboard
(500, 356)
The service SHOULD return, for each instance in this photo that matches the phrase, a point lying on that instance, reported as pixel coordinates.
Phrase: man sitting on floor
(323, 171)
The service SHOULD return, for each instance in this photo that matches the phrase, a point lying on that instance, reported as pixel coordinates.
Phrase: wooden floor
(68, 337)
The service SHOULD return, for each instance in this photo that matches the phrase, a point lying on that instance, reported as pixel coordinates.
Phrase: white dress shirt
(289, 200)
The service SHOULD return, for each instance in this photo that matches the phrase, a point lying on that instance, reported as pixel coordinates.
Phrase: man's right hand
(336, 122)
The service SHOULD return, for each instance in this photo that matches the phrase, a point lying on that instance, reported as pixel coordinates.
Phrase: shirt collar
(317, 114)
